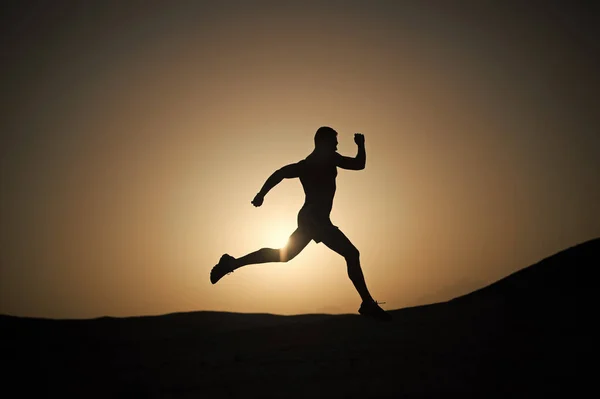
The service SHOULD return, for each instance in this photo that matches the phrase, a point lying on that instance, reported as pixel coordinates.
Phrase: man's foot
(225, 266)
(372, 309)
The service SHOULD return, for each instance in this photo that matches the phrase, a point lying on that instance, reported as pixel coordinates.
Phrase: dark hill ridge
(517, 337)
(550, 278)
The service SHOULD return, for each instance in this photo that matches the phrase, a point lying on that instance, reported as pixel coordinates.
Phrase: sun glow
(277, 236)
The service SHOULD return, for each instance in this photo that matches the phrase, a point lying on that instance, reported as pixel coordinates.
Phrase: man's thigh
(337, 241)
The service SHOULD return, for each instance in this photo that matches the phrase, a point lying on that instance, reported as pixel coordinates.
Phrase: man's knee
(285, 254)
(352, 253)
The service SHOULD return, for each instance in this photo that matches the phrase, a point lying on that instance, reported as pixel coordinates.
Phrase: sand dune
(517, 337)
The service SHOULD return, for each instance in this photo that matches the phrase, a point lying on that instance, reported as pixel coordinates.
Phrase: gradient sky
(135, 134)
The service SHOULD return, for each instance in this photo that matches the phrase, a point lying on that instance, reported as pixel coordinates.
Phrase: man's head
(326, 139)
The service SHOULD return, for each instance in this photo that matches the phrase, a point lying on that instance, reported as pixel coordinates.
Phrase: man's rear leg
(296, 243)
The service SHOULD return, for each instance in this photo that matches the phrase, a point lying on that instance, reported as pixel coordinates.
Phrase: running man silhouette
(317, 174)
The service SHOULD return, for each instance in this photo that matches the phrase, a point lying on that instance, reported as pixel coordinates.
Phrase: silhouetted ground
(518, 337)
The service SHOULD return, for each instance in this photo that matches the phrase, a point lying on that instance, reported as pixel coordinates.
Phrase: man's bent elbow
(278, 175)
(357, 166)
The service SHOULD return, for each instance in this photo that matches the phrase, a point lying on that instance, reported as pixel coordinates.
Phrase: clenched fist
(359, 139)
(258, 200)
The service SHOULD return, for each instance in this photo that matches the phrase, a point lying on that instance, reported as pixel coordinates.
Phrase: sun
(278, 234)
(281, 238)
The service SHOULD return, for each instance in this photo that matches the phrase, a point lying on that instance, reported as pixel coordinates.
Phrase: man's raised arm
(287, 172)
(358, 162)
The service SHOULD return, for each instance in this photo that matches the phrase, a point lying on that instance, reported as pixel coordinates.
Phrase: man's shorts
(315, 224)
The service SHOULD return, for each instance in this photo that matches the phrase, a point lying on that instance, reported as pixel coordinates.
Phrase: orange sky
(134, 137)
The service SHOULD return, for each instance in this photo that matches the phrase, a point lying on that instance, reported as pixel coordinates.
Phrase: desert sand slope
(517, 337)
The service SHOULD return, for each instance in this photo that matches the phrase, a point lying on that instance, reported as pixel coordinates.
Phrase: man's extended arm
(358, 162)
(286, 172)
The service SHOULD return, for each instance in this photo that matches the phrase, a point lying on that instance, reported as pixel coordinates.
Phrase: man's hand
(258, 200)
(359, 139)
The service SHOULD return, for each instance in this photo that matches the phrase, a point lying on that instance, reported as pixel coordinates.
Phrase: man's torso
(318, 176)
